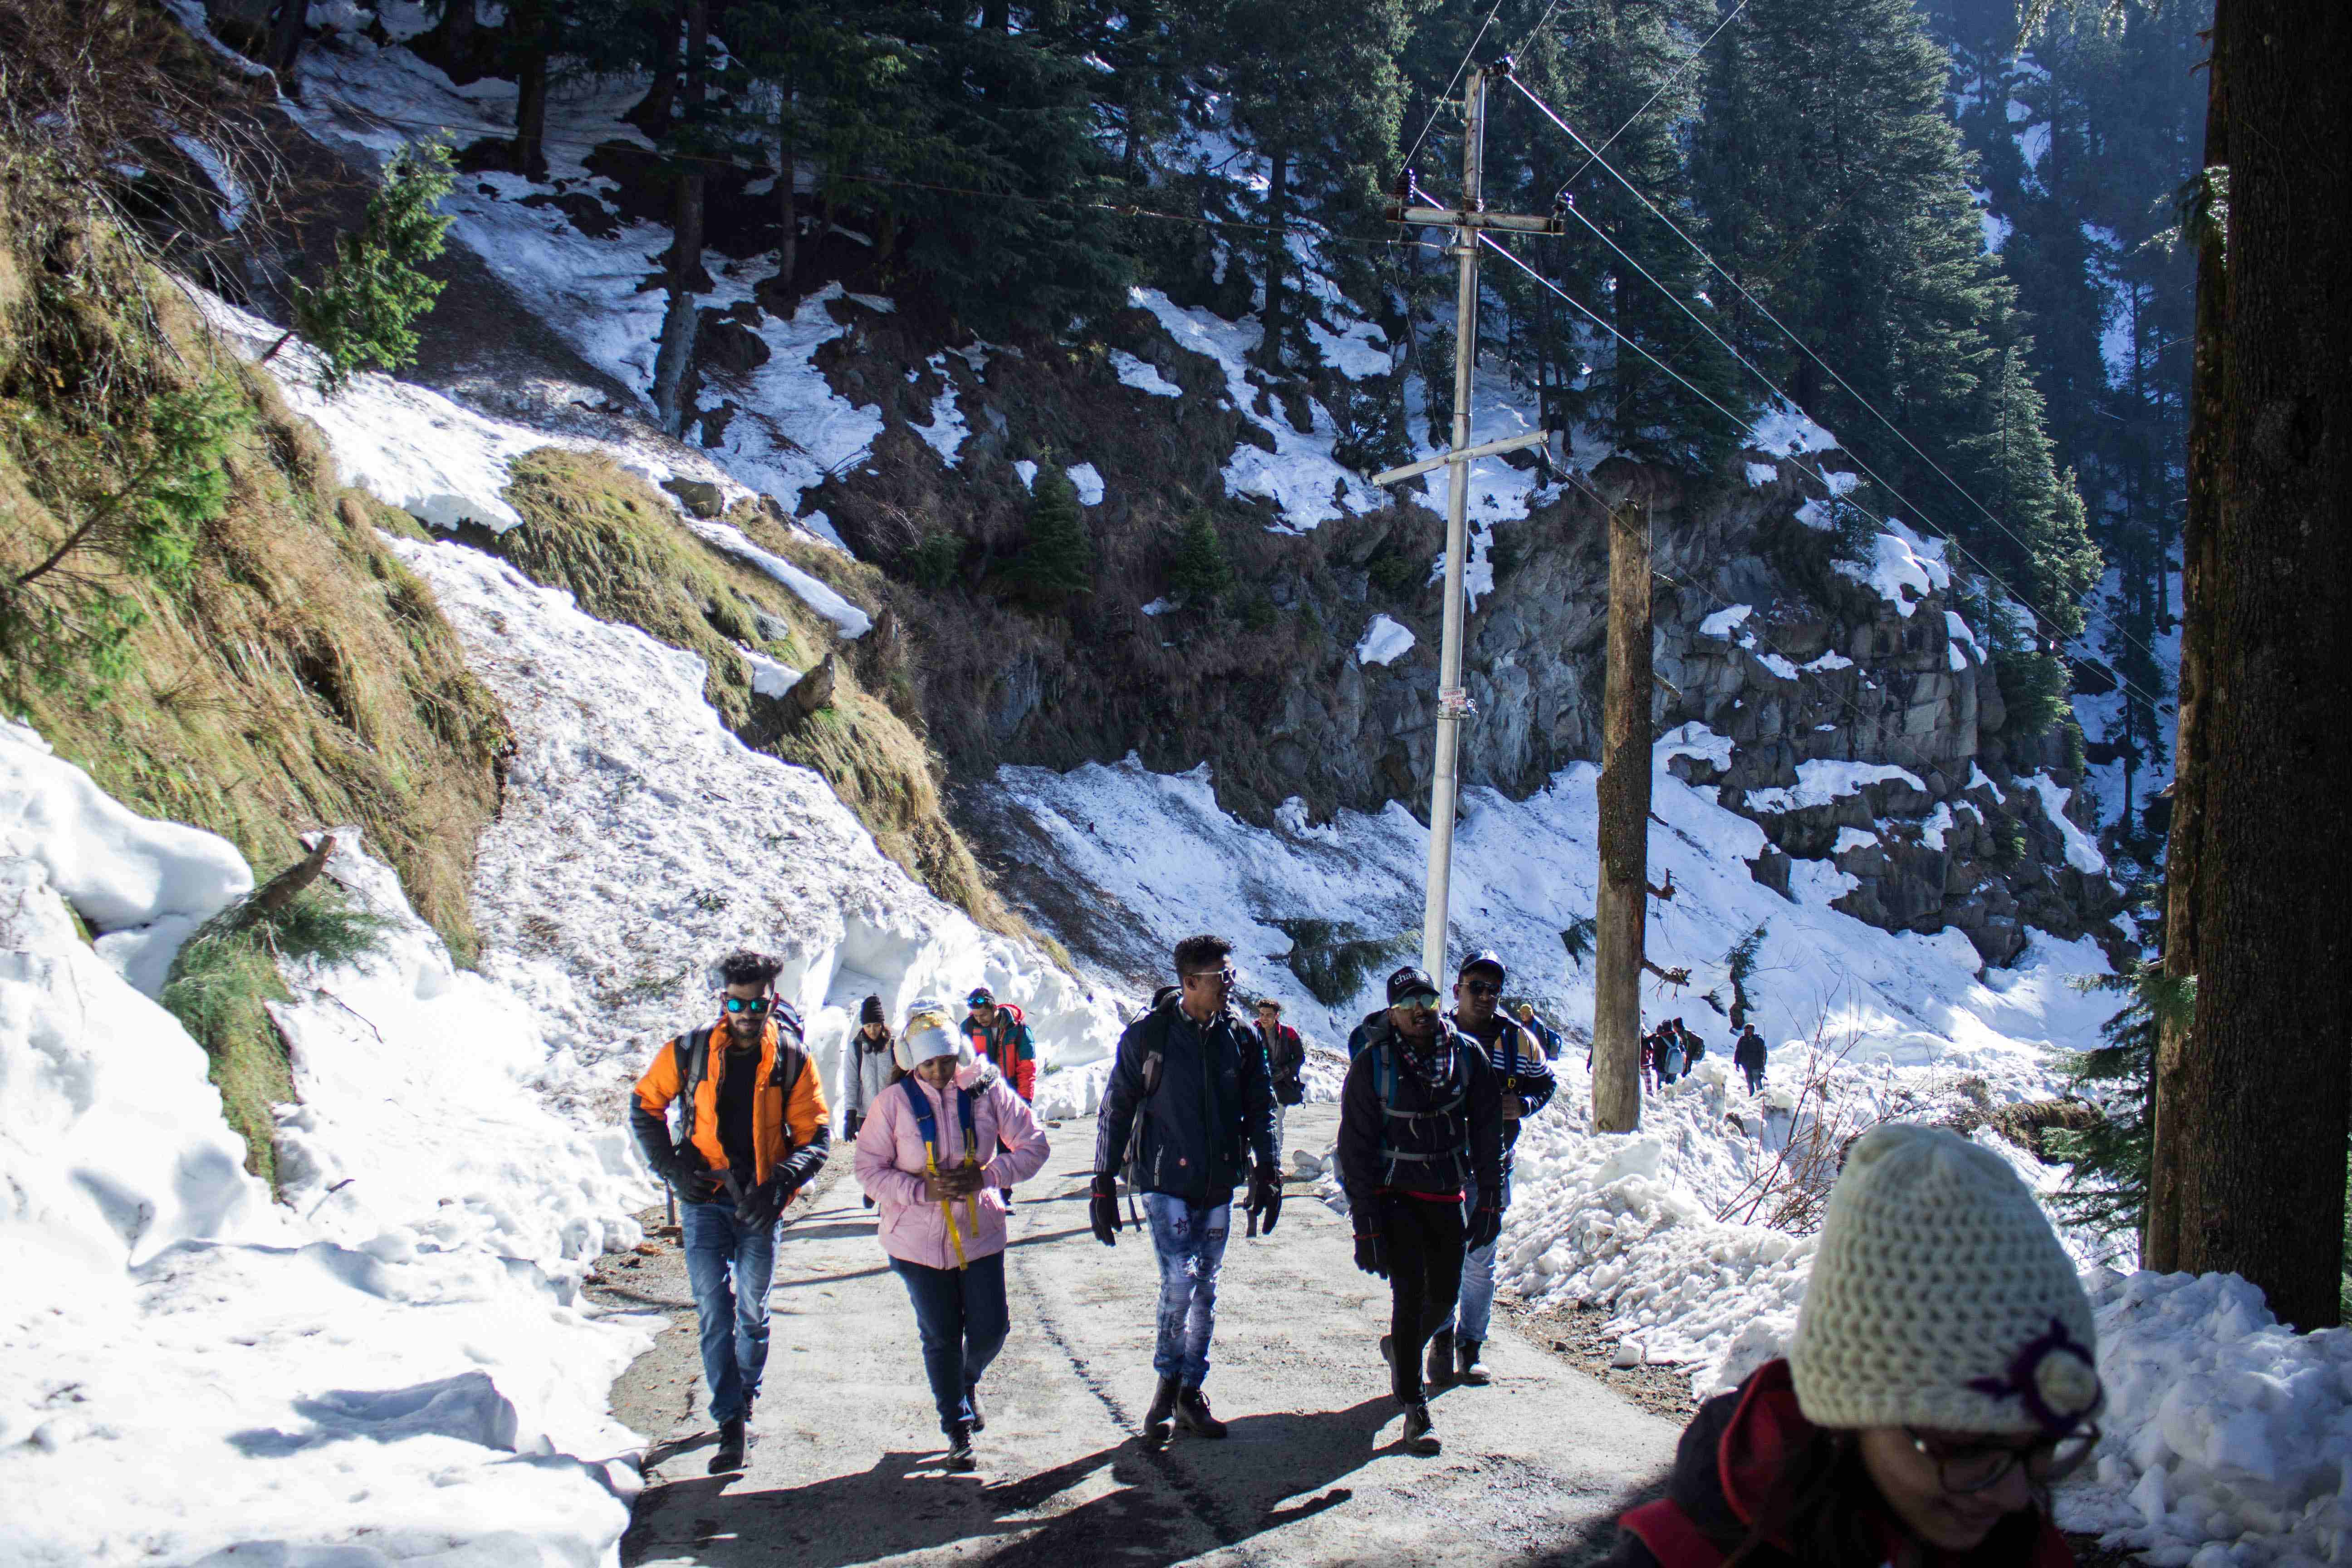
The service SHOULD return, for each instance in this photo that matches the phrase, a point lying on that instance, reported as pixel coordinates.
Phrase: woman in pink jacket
(929, 1154)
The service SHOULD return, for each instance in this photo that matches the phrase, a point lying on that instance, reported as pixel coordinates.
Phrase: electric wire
(1689, 61)
(1595, 157)
(1438, 104)
(1813, 470)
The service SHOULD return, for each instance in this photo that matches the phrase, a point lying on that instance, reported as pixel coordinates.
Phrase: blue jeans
(962, 1316)
(729, 1269)
(1473, 1310)
(1191, 1240)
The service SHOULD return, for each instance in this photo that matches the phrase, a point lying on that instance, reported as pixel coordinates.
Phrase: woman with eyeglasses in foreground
(1941, 1379)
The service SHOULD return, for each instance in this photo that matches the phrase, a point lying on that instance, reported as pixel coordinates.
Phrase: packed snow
(1088, 481)
(1384, 641)
(396, 1356)
(1903, 567)
(1142, 376)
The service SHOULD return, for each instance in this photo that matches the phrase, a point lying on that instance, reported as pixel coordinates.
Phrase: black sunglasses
(756, 1005)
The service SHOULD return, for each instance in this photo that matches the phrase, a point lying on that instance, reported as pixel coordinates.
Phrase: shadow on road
(1163, 1506)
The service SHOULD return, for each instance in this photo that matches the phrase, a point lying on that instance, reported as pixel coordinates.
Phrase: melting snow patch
(1776, 664)
(1383, 642)
(1829, 661)
(1089, 481)
(946, 432)
(1901, 568)
(1762, 474)
(1725, 621)
(1696, 740)
(1142, 376)
(1785, 431)
(1160, 606)
(1027, 470)
(770, 677)
(1828, 779)
(848, 618)
(2081, 853)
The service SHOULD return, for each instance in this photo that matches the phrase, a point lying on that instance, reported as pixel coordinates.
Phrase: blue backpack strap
(928, 1124)
(963, 1114)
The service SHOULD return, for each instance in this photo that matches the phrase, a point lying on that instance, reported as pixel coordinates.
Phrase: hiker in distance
(753, 1132)
(934, 1152)
(1420, 1125)
(999, 1035)
(868, 1066)
(1942, 1378)
(1286, 1056)
(1748, 1056)
(1189, 1115)
(1524, 1080)
(1546, 1036)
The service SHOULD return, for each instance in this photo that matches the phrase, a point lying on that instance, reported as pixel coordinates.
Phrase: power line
(1442, 98)
(1738, 422)
(1595, 157)
(1689, 61)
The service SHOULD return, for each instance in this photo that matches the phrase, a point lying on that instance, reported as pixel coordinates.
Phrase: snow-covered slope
(187, 1367)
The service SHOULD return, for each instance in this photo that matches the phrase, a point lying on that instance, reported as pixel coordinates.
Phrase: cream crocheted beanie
(1940, 1297)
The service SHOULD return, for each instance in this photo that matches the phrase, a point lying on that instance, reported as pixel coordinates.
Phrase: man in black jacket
(1420, 1122)
(1191, 1086)
(1748, 1056)
(1286, 1054)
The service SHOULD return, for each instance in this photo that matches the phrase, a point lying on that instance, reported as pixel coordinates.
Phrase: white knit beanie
(1940, 1297)
(926, 1035)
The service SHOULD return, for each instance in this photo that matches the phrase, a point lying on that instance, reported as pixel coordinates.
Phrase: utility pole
(1452, 701)
(1621, 910)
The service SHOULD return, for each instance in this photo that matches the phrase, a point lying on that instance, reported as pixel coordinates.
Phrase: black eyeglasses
(1963, 1470)
(756, 1005)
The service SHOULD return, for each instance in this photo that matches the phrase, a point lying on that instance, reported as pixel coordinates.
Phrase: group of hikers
(1672, 1050)
(1909, 1422)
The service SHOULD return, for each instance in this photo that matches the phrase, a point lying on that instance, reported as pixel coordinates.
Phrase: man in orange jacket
(753, 1132)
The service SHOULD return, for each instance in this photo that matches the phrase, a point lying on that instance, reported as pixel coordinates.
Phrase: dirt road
(844, 1467)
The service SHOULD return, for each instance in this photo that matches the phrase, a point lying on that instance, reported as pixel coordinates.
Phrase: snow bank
(395, 1372)
(1901, 568)
(2228, 1437)
(1827, 779)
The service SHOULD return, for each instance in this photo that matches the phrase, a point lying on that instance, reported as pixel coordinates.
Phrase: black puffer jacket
(1400, 1134)
(1211, 1117)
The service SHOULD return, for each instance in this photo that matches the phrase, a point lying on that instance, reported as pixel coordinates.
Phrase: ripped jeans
(1190, 1241)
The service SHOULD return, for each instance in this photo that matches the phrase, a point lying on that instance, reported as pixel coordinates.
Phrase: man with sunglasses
(1525, 1081)
(999, 1035)
(1191, 1088)
(752, 1130)
(1420, 1131)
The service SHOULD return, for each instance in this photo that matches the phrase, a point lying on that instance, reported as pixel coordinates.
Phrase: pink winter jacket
(890, 1166)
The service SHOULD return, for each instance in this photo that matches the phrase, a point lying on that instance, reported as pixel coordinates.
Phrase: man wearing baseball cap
(1420, 1129)
(1525, 1080)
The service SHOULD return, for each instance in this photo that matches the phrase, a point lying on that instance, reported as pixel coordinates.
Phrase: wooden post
(1622, 910)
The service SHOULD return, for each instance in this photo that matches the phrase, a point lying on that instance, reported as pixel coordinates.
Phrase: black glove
(764, 1204)
(1371, 1255)
(1103, 1209)
(1486, 1225)
(1265, 1201)
(691, 1177)
(851, 1122)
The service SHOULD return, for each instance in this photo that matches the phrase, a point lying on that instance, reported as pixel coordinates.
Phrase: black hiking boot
(1420, 1432)
(729, 1456)
(1473, 1370)
(1156, 1428)
(959, 1454)
(1193, 1414)
(978, 1416)
(1441, 1358)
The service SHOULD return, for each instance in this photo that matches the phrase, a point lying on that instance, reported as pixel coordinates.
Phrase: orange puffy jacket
(790, 1126)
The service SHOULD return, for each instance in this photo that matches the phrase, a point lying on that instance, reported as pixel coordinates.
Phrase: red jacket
(1007, 1044)
(1731, 1460)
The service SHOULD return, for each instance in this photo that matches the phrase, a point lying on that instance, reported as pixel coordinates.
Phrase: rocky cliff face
(1841, 706)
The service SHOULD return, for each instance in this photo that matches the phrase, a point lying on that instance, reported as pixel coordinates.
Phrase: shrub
(932, 563)
(1201, 573)
(1059, 559)
(1393, 575)
(360, 312)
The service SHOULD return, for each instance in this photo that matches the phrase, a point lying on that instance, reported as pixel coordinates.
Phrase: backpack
(1155, 1054)
(1386, 1073)
(928, 1125)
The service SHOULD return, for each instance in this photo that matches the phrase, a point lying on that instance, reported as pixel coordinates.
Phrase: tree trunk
(285, 44)
(531, 105)
(1277, 215)
(2251, 1178)
(788, 252)
(457, 29)
(1621, 911)
(698, 56)
(683, 316)
(650, 114)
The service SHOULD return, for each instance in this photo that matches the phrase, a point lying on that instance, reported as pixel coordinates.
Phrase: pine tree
(1200, 573)
(1059, 558)
(360, 313)
(2106, 1188)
